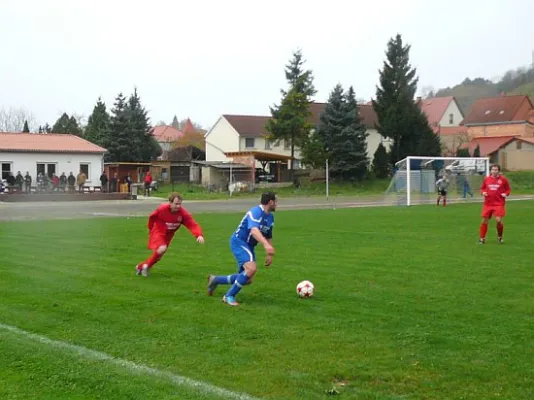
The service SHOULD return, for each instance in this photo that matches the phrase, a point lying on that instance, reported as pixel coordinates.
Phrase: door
(180, 173)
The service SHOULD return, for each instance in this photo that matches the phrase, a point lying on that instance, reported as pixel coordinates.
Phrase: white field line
(132, 367)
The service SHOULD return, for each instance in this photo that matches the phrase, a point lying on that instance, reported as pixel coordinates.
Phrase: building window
(451, 118)
(296, 164)
(6, 169)
(518, 145)
(249, 143)
(84, 167)
(46, 169)
(267, 144)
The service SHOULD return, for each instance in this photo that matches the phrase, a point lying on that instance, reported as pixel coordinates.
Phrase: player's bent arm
(192, 225)
(256, 233)
(152, 218)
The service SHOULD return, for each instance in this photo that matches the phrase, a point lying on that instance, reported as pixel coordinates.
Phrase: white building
(50, 154)
(247, 133)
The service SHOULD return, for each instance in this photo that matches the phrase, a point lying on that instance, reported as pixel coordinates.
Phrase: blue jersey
(255, 218)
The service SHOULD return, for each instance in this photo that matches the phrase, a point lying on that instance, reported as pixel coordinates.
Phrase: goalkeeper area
(414, 180)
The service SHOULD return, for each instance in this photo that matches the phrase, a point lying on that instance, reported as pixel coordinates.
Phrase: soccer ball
(305, 289)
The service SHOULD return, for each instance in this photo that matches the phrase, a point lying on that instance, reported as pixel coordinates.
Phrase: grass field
(407, 306)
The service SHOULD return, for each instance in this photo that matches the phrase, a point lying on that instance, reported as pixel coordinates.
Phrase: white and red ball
(305, 289)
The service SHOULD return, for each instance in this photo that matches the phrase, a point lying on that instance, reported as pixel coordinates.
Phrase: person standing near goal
(495, 189)
(162, 225)
(442, 185)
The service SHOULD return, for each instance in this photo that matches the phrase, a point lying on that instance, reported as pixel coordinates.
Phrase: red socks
(437, 202)
(483, 231)
(444, 201)
(500, 229)
(153, 259)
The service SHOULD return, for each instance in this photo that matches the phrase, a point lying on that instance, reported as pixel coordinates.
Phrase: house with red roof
(503, 128)
(441, 111)
(50, 154)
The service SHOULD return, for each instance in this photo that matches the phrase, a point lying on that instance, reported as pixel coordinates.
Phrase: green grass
(522, 183)
(364, 188)
(407, 306)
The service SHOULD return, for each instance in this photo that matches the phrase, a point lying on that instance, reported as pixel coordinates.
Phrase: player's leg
(240, 257)
(499, 216)
(486, 216)
(247, 259)
(439, 197)
(159, 246)
(444, 193)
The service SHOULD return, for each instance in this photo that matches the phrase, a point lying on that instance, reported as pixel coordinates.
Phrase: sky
(201, 59)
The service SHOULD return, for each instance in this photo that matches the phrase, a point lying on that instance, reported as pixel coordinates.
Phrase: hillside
(519, 81)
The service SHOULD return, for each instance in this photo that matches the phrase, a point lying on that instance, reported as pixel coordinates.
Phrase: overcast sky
(204, 58)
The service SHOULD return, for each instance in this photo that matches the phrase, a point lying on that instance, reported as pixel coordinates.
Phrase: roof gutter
(499, 123)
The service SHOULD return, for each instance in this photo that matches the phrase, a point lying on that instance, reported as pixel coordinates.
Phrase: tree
(332, 120)
(98, 125)
(143, 144)
(175, 124)
(381, 166)
(26, 128)
(462, 152)
(66, 124)
(12, 119)
(476, 152)
(399, 116)
(349, 147)
(45, 129)
(119, 144)
(290, 119)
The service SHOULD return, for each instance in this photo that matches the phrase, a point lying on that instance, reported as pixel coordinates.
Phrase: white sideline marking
(176, 380)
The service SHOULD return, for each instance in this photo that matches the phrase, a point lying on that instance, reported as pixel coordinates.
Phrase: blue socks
(225, 279)
(241, 281)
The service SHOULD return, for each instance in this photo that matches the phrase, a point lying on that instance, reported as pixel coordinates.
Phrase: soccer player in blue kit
(255, 227)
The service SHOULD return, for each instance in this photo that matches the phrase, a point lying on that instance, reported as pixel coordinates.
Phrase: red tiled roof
(254, 125)
(496, 109)
(166, 133)
(47, 143)
(188, 127)
(434, 108)
(488, 145)
(528, 140)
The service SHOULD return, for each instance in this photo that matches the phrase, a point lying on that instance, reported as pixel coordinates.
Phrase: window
(267, 144)
(46, 169)
(249, 142)
(84, 167)
(518, 145)
(451, 118)
(6, 169)
(296, 164)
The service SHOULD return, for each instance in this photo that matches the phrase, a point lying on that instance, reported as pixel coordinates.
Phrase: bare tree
(12, 119)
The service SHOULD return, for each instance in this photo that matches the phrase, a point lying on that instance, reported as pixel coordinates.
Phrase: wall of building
(517, 156)
(523, 130)
(453, 109)
(66, 163)
(221, 138)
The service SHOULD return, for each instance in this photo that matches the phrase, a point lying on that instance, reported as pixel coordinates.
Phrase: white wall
(373, 140)
(64, 163)
(221, 138)
(453, 109)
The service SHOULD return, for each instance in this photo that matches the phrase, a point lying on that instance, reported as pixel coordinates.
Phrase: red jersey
(495, 187)
(163, 222)
(148, 178)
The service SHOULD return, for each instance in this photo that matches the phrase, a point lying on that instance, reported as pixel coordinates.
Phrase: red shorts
(157, 240)
(497, 211)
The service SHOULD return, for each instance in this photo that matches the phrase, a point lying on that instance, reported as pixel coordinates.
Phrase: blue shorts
(242, 252)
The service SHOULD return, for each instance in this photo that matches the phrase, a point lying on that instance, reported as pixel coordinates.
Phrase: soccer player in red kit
(162, 225)
(495, 189)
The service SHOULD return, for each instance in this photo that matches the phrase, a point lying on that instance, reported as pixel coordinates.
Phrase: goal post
(414, 179)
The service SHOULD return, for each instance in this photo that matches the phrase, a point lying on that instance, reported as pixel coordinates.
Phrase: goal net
(415, 178)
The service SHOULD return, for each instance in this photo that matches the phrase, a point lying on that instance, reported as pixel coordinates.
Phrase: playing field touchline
(132, 367)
